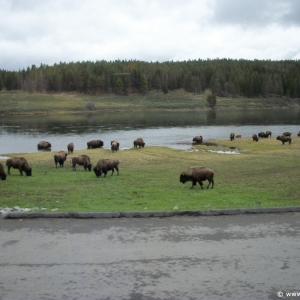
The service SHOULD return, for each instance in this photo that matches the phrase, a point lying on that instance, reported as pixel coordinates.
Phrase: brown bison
(114, 146)
(105, 165)
(19, 163)
(2, 173)
(138, 142)
(60, 157)
(255, 137)
(262, 135)
(268, 133)
(95, 144)
(198, 139)
(299, 133)
(287, 133)
(284, 139)
(82, 160)
(43, 145)
(198, 174)
(238, 136)
(232, 135)
(70, 147)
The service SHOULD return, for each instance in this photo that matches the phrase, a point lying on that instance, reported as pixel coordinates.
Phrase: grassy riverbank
(17, 102)
(264, 174)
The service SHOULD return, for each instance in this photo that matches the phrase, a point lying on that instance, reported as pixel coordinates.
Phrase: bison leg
(193, 183)
(21, 171)
(201, 184)
(8, 170)
(117, 170)
(211, 182)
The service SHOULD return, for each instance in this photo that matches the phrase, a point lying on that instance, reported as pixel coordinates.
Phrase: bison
(43, 145)
(60, 157)
(287, 133)
(232, 135)
(19, 163)
(105, 165)
(198, 174)
(262, 135)
(268, 133)
(284, 139)
(138, 142)
(95, 144)
(82, 160)
(114, 146)
(2, 173)
(238, 136)
(198, 139)
(299, 133)
(70, 147)
(255, 137)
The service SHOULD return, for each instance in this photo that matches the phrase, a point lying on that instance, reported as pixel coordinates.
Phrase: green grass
(18, 102)
(265, 175)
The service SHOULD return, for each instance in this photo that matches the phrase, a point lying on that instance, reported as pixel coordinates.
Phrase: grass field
(263, 174)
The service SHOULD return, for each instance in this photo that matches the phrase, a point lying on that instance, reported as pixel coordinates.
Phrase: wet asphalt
(255, 256)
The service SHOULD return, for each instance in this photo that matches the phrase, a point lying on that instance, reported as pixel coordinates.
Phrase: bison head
(3, 176)
(89, 166)
(97, 171)
(28, 171)
(183, 178)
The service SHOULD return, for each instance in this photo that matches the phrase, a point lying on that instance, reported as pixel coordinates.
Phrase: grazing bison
(299, 133)
(60, 157)
(19, 163)
(82, 160)
(70, 147)
(198, 139)
(43, 145)
(138, 142)
(114, 146)
(231, 136)
(95, 144)
(268, 133)
(262, 135)
(284, 139)
(255, 137)
(105, 165)
(287, 133)
(2, 173)
(198, 174)
(238, 136)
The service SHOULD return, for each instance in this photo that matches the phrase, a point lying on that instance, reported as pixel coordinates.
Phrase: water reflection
(169, 128)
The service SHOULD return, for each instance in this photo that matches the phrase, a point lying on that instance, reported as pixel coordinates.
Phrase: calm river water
(171, 129)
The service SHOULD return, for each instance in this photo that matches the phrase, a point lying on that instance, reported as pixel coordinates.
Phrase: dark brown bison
(70, 147)
(238, 136)
(262, 135)
(95, 144)
(299, 133)
(139, 142)
(198, 139)
(287, 133)
(82, 160)
(232, 135)
(105, 165)
(43, 145)
(268, 133)
(2, 173)
(60, 157)
(114, 146)
(19, 163)
(198, 174)
(255, 137)
(284, 139)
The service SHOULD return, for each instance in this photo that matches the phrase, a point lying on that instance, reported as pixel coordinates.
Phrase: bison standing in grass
(232, 135)
(299, 133)
(114, 146)
(238, 136)
(105, 165)
(287, 133)
(70, 147)
(19, 163)
(198, 139)
(43, 145)
(138, 142)
(284, 139)
(198, 174)
(268, 133)
(2, 173)
(59, 158)
(255, 137)
(95, 144)
(82, 160)
(262, 135)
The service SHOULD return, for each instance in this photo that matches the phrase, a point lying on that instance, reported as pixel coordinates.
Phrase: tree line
(225, 77)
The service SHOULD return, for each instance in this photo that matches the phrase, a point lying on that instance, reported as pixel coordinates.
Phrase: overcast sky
(50, 31)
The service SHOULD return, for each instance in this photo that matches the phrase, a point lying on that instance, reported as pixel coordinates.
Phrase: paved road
(224, 257)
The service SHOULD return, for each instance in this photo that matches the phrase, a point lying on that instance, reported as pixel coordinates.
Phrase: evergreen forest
(224, 77)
